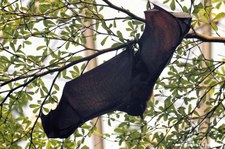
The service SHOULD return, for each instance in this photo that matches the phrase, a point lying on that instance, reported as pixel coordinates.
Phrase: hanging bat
(123, 83)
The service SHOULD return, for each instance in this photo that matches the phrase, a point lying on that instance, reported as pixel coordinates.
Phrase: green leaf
(12, 46)
(106, 27)
(67, 45)
(34, 105)
(36, 110)
(40, 47)
(131, 25)
(114, 23)
(101, 8)
(120, 35)
(43, 7)
(219, 16)
(214, 26)
(27, 42)
(46, 109)
(172, 5)
(56, 87)
(104, 40)
(181, 110)
(116, 45)
(48, 23)
(45, 89)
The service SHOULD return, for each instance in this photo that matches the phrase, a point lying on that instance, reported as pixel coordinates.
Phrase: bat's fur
(123, 83)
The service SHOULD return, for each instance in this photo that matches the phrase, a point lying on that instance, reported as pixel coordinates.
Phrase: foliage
(41, 47)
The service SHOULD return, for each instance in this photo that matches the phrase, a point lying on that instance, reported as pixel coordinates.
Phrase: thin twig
(133, 16)
(40, 74)
(49, 92)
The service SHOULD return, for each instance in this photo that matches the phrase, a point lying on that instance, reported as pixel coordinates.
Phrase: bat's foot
(142, 117)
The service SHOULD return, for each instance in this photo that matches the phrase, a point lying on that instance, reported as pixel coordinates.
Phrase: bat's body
(89, 93)
(123, 83)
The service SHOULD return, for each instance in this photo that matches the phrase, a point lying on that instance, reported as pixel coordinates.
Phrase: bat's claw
(142, 117)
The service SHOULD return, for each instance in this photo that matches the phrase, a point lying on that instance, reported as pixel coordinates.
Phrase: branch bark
(133, 16)
(201, 37)
(87, 58)
(205, 38)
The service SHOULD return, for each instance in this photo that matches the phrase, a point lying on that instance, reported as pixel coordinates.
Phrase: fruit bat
(123, 83)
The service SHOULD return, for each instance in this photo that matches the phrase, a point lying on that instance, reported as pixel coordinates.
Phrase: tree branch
(40, 74)
(133, 16)
(40, 111)
(195, 35)
(205, 38)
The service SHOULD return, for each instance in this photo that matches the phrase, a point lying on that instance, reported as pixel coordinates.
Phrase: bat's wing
(163, 33)
(123, 83)
(94, 93)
